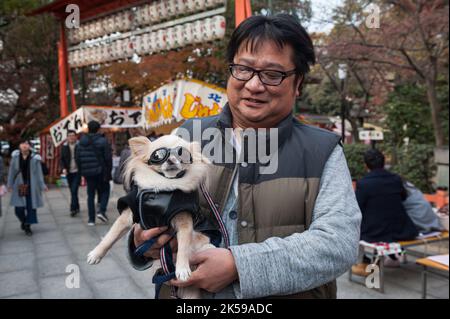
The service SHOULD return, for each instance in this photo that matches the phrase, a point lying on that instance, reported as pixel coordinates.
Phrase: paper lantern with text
(153, 13)
(161, 10)
(98, 30)
(197, 32)
(153, 47)
(180, 7)
(179, 37)
(218, 27)
(207, 30)
(171, 6)
(188, 36)
(170, 38)
(190, 6)
(200, 5)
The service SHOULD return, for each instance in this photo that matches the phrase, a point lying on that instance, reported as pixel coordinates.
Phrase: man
(380, 196)
(70, 169)
(94, 160)
(291, 232)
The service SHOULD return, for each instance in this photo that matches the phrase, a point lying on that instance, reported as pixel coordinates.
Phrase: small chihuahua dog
(166, 164)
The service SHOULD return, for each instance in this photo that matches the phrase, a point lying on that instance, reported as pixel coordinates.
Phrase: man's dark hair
(93, 126)
(282, 29)
(374, 159)
(71, 132)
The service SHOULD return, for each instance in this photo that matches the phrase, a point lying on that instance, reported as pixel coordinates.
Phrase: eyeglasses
(161, 155)
(267, 77)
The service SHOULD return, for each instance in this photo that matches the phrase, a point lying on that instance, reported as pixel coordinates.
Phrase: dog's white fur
(148, 177)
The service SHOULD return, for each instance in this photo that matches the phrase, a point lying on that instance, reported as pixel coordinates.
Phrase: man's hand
(216, 269)
(46, 188)
(140, 236)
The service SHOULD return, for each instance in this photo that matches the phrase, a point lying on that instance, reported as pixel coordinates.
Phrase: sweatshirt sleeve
(303, 261)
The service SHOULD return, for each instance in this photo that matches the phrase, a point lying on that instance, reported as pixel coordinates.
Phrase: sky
(322, 12)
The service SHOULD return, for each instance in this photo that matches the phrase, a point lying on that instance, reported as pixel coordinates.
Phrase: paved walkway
(35, 267)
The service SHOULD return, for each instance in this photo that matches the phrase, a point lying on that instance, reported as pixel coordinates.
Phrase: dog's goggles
(161, 155)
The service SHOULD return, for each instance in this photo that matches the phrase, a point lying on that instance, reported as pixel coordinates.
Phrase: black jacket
(65, 156)
(94, 156)
(380, 195)
(151, 209)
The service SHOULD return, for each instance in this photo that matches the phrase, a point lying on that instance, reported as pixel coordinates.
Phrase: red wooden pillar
(62, 67)
(243, 10)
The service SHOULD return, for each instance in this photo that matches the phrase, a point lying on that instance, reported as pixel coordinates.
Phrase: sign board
(182, 100)
(371, 135)
(108, 117)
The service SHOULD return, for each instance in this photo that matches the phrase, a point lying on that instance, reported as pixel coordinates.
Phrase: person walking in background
(26, 182)
(70, 169)
(94, 161)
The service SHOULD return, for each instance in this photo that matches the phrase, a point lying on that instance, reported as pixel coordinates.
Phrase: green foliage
(354, 153)
(416, 164)
(408, 116)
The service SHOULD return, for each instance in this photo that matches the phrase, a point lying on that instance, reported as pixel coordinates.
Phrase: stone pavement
(35, 267)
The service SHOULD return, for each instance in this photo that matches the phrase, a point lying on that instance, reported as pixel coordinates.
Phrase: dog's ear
(139, 145)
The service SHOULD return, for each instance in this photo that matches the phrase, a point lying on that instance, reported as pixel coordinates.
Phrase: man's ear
(139, 145)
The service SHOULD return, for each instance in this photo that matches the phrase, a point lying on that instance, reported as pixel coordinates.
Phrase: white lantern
(200, 5)
(207, 30)
(161, 10)
(153, 13)
(139, 44)
(209, 4)
(152, 47)
(188, 36)
(197, 32)
(98, 31)
(161, 43)
(170, 38)
(171, 6)
(180, 7)
(218, 27)
(190, 6)
(179, 37)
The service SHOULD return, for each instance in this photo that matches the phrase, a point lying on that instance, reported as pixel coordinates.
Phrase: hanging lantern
(218, 27)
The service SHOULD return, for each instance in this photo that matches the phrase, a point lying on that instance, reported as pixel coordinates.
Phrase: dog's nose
(170, 161)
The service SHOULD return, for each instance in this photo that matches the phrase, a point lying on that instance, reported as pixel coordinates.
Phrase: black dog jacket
(156, 209)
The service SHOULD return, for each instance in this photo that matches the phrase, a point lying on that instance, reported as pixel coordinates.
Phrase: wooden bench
(431, 267)
(405, 245)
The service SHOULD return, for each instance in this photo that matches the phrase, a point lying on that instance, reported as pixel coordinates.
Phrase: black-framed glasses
(161, 155)
(268, 77)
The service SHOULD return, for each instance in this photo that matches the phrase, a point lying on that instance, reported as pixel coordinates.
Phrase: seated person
(420, 211)
(380, 196)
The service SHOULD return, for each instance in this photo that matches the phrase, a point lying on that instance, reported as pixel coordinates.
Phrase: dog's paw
(183, 273)
(94, 257)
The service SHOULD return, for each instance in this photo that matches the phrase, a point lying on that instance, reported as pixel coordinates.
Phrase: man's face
(24, 147)
(72, 138)
(254, 104)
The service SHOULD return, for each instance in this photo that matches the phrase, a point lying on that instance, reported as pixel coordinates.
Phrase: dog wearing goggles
(165, 166)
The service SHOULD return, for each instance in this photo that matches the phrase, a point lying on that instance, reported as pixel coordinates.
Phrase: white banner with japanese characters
(182, 100)
(108, 117)
(74, 122)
